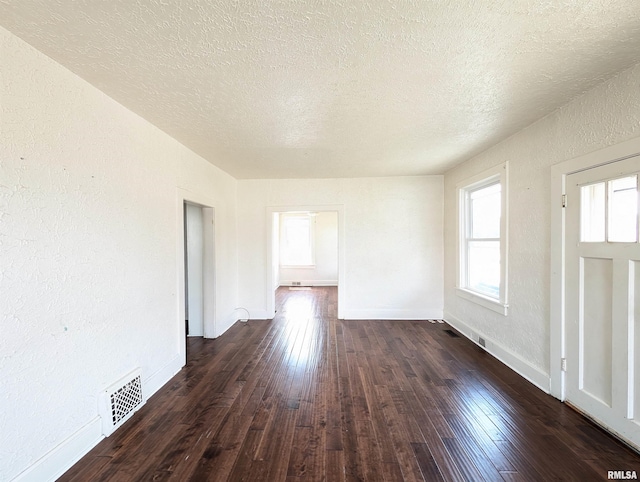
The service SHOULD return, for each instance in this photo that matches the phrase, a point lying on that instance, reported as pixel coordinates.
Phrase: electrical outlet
(481, 341)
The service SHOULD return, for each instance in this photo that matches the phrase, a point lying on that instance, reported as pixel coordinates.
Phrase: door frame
(559, 173)
(271, 289)
(208, 269)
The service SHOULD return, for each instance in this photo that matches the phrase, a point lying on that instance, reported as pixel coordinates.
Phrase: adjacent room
(300, 240)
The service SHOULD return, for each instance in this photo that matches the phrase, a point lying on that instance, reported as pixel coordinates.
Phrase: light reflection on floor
(303, 328)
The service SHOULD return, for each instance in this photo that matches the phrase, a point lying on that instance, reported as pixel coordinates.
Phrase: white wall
(325, 270)
(393, 241)
(606, 115)
(88, 256)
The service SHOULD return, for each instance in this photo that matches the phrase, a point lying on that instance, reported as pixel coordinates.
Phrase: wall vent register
(120, 401)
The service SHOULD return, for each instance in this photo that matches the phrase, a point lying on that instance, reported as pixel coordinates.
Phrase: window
(296, 244)
(483, 241)
(609, 211)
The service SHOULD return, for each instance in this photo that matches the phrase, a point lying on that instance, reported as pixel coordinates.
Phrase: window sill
(484, 301)
(298, 266)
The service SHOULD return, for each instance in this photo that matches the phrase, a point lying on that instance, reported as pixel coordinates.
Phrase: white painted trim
(317, 282)
(61, 458)
(559, 173)
(158, 379)
(391, 314)
(485, 301)
(209, 285)
(514, 361)
(271, 288)
(498, 173)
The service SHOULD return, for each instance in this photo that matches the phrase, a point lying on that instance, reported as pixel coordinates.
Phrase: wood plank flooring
(307, 397)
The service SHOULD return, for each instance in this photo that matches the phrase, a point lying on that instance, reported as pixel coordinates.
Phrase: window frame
(495, 175)
(312, 251)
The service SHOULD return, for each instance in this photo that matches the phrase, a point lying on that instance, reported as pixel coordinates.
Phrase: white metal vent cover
(120, 401)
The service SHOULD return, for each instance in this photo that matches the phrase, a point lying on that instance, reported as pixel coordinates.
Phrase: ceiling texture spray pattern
(335, 88)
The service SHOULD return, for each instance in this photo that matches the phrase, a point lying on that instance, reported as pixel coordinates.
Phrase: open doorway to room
(193, 270)
(306, 249)
(196, 271)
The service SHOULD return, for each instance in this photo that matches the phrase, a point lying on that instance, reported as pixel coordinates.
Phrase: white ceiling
(335, 88)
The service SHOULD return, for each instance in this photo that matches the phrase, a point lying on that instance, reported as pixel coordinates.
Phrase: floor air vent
(120, 401)
(452, 333)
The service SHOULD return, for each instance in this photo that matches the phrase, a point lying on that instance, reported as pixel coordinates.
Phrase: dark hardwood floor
(308, 397)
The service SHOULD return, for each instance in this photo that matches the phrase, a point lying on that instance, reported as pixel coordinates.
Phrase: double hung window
(482, 252)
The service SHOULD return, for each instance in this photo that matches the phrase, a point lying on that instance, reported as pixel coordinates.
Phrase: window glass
(484, 267)
(485, 212)
(623, 210)
(592, 221)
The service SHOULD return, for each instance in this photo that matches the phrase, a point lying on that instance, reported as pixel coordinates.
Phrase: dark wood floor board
(550, 452)
(401, 436)
(353, 463)
(371, 457)
(522, 465)
(306, 459)
(243, 468)
(464, 462)
(90, 470)
(426, 394)
(163, 459)
(276, 443)
(426, 462)
(400, 357)
(355, 360)
(334, 466)
(484, 452)
(308, 397)
(143, 444)
(432, 436)
(470, 406)
(378, 420)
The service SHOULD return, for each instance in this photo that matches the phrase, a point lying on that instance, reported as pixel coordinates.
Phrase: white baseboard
(57, 461)
(303, 282)
(157, 380)
(514, 361)
(259, 314)
(392, 314)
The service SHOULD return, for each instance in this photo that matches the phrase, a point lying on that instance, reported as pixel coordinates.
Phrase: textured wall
(393, 241)
(606, 115)
(88, 249)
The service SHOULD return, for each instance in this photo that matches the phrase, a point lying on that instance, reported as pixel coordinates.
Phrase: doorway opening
(196, 270)
(306, 249)
(193, 270)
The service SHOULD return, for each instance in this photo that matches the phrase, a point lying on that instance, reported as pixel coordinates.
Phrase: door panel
(596, 329)
(603, 296)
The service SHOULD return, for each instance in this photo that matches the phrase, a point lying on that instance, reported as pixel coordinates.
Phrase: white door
(603, 296)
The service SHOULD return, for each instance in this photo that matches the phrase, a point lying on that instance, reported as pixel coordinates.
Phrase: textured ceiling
(335, 88)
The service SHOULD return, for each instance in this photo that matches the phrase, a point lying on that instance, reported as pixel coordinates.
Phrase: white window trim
(498, 173)
(312, 238)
